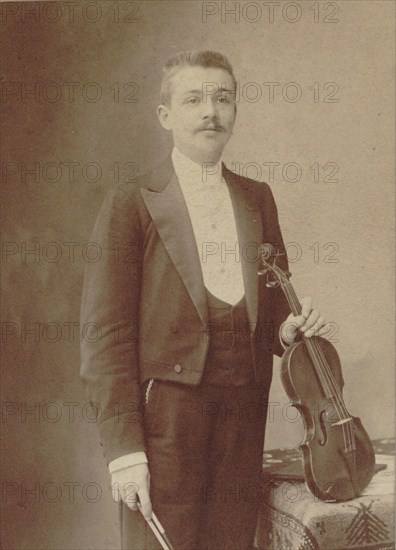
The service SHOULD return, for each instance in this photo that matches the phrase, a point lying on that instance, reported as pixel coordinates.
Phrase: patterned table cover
(291, 518)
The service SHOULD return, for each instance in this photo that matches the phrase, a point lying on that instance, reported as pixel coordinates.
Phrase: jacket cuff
(132, 459)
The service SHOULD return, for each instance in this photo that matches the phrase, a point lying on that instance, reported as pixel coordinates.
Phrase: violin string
(325, 374)
(297, 311)
(348, 427)
(316, 350)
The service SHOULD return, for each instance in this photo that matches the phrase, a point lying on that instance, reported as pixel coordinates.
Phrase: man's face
(201, 113)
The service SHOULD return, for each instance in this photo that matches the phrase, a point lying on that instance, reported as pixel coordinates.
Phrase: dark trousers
(204, 447)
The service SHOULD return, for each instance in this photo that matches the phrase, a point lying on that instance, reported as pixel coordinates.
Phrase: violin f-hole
(323, 440)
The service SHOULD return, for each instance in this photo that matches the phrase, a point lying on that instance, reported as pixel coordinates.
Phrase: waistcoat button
(177, 368)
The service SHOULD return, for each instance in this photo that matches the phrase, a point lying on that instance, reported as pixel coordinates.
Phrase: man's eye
(192, 100)
(224, 99)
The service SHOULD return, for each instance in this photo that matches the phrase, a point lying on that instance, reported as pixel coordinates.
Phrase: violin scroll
(275, 275)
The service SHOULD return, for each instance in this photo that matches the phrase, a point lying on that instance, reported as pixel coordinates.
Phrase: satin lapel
(170, 216)
(250, 231)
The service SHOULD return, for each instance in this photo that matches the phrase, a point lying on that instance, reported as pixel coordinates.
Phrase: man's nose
(208, 108)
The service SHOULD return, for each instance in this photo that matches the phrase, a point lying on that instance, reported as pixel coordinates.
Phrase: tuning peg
(271, 284)
(263, 271)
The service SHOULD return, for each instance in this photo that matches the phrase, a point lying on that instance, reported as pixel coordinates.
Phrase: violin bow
(158, 531)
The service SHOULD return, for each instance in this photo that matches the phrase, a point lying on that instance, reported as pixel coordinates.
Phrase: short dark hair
(191, 58)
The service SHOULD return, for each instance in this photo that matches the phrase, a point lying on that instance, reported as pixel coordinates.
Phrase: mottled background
(96, 67)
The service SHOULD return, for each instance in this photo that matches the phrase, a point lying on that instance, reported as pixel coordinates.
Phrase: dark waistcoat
(229, 361)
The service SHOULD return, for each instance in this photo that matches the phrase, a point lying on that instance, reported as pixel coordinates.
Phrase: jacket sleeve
(109, 325)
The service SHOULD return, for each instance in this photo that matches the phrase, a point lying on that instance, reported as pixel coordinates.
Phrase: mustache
(211, 126)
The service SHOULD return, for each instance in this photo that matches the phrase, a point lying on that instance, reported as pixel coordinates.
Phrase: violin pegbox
(275, 276)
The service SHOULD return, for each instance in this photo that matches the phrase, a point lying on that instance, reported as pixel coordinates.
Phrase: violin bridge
(343, 421)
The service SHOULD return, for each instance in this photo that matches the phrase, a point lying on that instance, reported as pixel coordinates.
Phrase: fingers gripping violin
(337, 454)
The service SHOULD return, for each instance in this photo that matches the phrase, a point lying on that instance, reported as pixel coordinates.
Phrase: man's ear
(164, 117)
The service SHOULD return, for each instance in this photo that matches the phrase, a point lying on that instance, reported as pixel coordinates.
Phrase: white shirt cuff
(133, 459)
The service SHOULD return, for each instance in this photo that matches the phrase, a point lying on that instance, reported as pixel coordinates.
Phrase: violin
(337, 455)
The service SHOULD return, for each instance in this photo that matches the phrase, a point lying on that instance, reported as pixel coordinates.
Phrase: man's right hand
(130, 483)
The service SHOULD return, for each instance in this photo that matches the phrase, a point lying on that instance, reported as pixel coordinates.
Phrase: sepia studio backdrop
(327, 135)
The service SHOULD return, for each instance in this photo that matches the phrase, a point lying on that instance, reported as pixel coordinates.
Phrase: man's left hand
(310, 323)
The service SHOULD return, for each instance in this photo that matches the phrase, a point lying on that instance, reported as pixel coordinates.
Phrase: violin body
(337, 454)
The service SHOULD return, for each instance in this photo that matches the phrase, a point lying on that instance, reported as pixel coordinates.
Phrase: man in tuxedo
(180, 362)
